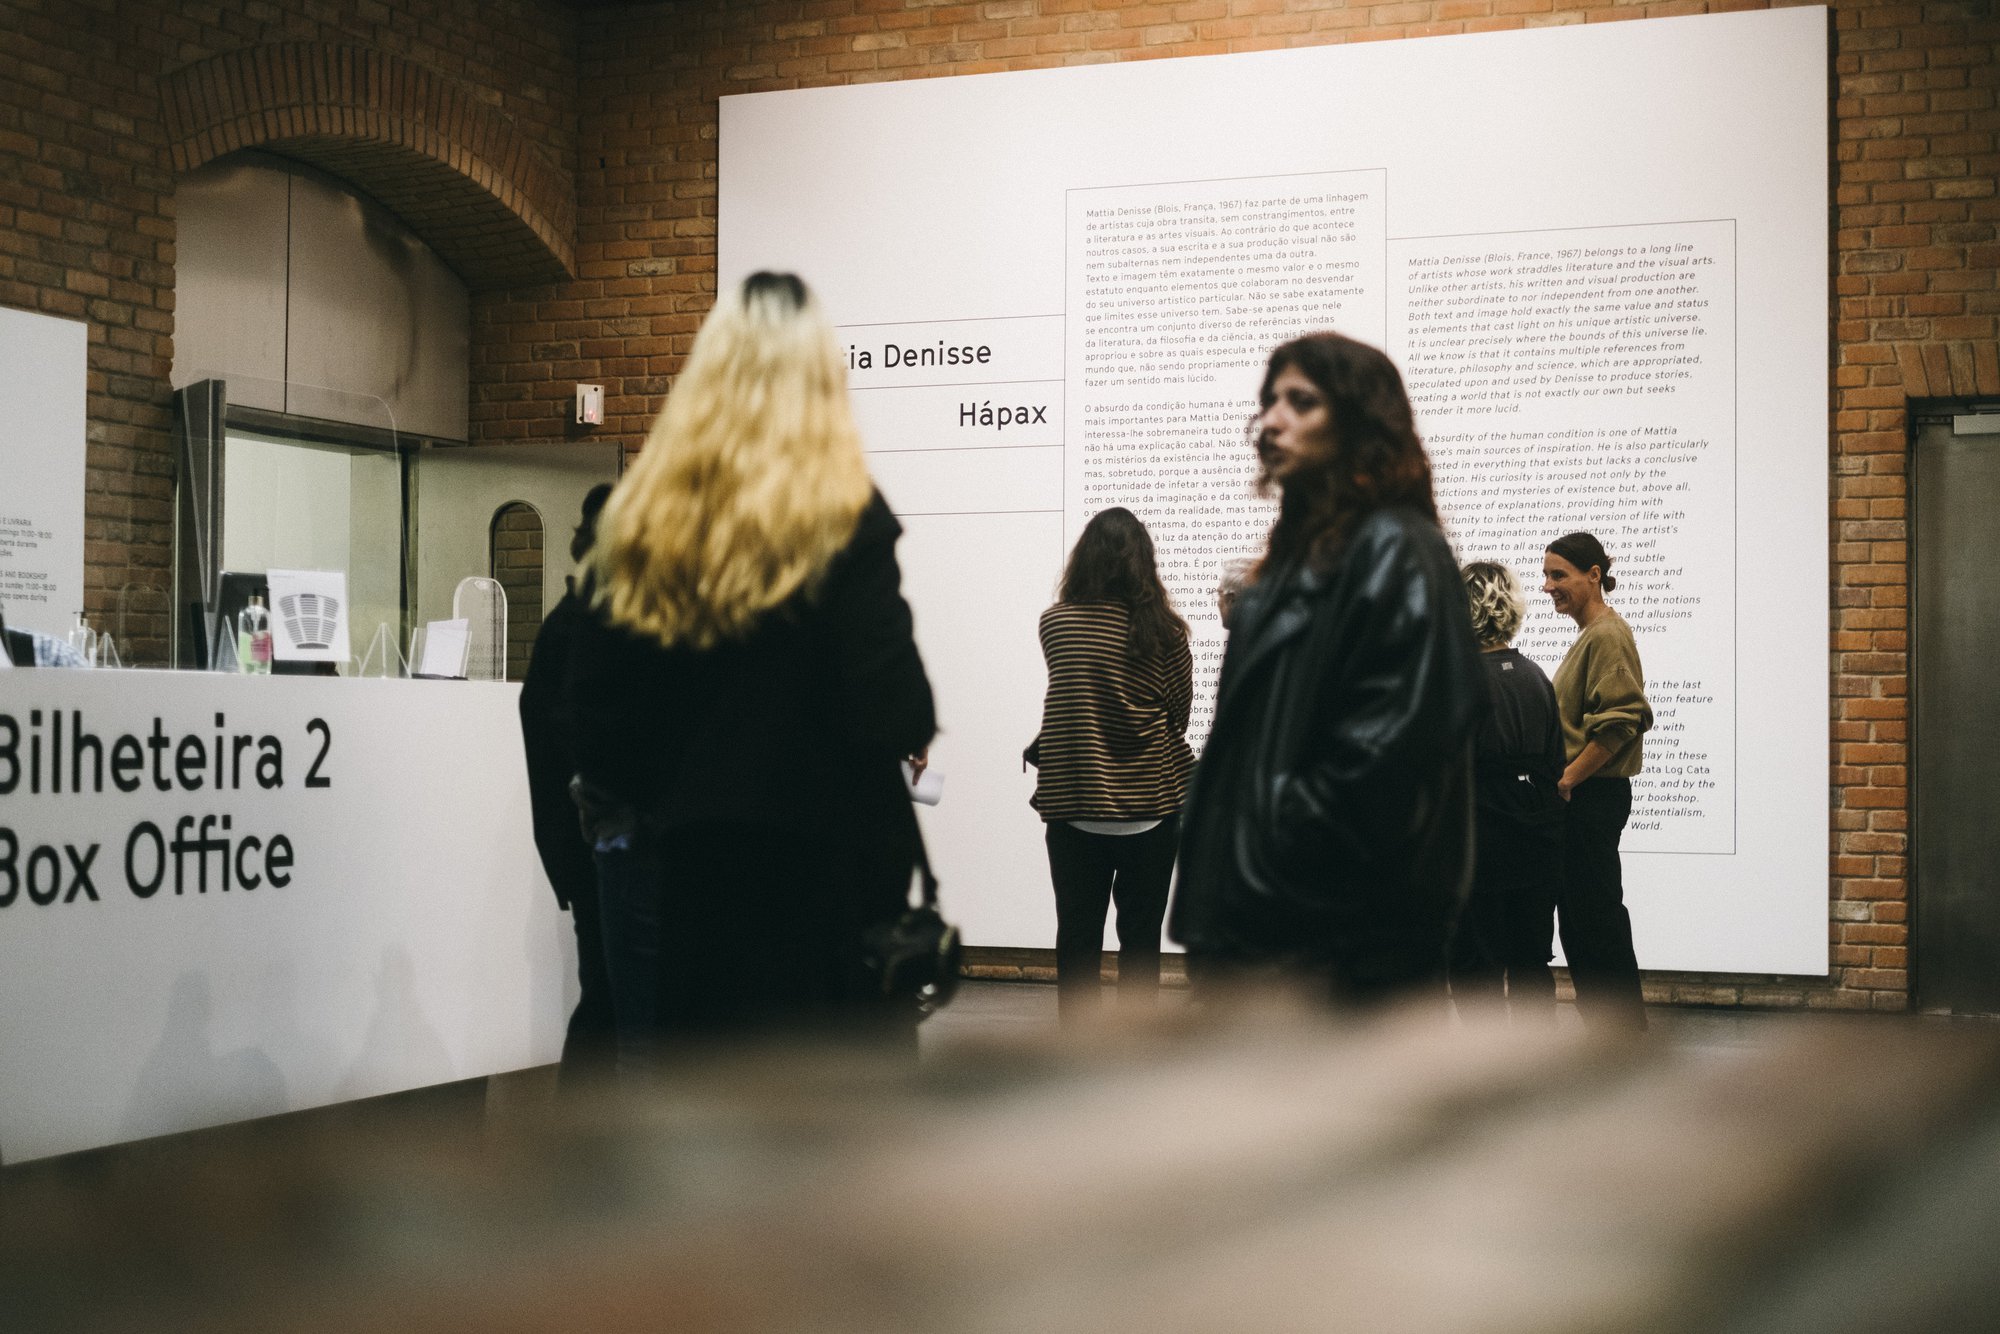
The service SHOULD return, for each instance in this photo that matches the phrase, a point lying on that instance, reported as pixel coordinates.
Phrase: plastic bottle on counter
(253, 638)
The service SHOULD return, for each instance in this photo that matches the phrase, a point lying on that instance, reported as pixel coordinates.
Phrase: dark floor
(986, 1010)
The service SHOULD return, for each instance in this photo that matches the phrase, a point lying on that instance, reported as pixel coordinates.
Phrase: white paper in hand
(926, 788)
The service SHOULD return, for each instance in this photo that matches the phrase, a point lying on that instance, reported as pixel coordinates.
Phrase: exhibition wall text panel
(1598, 255)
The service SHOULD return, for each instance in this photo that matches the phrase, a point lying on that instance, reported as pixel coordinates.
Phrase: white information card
(43, 372)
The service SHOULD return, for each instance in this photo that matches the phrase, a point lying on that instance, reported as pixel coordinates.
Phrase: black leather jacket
(1329, 825)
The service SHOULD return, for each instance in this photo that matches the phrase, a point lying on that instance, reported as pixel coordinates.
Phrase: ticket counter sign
(224, 897)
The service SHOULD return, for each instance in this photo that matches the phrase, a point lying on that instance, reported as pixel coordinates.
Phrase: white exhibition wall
(43, 371)
(1599, 254)
(225, 896)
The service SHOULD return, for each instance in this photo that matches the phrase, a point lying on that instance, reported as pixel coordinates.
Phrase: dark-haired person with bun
(1601, 697)
(590, 1042)
(1328, 835)
(1112, 756)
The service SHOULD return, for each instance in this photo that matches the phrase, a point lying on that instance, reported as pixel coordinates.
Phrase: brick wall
(86, 197)
(626, 97)
(1917, 316)
(1913, 224)
(86, 232)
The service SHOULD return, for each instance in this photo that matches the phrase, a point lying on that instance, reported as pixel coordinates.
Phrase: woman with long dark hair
(742, 693)
(1328, 830)
(1601, 696)
(1112, 755)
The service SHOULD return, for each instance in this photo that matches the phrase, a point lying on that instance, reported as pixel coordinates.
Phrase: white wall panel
(1599, 254)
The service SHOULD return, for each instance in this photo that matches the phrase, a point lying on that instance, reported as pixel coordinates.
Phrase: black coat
(795, 729)
(1518, 755)
(1329, 824)
(551, 759)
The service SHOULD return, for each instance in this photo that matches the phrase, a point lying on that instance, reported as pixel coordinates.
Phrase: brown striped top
(1113, 744)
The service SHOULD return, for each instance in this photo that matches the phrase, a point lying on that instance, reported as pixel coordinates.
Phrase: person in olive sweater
(1601, 698)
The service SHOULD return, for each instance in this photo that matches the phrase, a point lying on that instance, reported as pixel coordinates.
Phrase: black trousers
(1501, 944)
(1596, 929)
(590, 1045)
(726, 932)
(1091, 872)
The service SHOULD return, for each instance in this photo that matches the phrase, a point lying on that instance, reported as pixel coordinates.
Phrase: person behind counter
(1112, 756)
(1327, 839)
(590, 1039)
(1601, 699)
(32, 648)
(1501, 946)
(742, 694)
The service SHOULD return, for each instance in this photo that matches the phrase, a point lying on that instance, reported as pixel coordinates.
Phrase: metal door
(1955, 496)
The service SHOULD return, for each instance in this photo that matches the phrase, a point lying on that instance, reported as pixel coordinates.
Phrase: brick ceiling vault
(457, 171)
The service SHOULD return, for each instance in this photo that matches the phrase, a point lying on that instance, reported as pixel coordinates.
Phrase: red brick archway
(457, 171)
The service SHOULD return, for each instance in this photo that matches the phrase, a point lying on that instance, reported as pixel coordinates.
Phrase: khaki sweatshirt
(1601, 694)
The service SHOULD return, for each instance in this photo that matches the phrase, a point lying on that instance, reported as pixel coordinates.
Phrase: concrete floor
(982, 1012)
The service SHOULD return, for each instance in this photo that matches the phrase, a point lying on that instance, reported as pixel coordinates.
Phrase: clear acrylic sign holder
(384, 658)
(438, 651)
(482, 604)
(222, 647)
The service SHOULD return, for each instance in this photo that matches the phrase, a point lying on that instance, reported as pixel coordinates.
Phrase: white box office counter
(224, 897)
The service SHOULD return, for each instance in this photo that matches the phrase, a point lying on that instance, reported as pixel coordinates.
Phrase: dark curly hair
(1377, 460)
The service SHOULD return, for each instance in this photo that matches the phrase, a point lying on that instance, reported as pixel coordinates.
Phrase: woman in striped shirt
(1113, 756)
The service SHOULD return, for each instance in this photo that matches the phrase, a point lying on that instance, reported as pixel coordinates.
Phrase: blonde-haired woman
(1500, 948)
(745, 691)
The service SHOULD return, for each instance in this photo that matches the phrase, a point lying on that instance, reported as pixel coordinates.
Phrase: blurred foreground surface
(1256, 1169)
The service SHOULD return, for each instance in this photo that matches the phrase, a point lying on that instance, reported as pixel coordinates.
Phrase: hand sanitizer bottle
(253, 638)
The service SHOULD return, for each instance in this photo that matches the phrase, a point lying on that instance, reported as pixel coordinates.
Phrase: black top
(1518, 758)
(798, 726)
(1329, 822)
(18, 645)
(551, 761)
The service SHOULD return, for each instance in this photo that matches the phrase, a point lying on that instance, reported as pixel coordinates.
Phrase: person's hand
(1565, 787)
(918, 763)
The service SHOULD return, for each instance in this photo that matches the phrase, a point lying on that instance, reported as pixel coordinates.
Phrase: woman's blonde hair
(1497, 603)
(750, 483)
